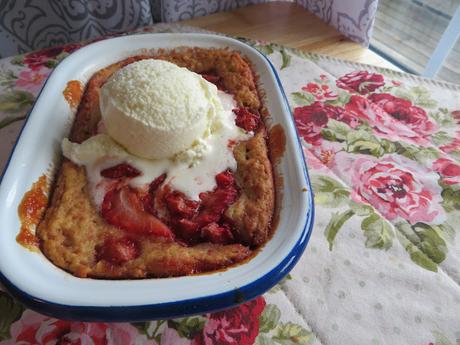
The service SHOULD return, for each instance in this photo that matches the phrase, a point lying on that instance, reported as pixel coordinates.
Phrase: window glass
(408, 31)
(450, 70)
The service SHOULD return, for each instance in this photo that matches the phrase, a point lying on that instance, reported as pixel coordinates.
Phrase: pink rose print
(402, 110)
(313, 162)
(448, 169)
(456, 116)
(38, 59)
(453, 145)
(320, 92)
(361, 81)
(32, 80)
(171, 337)
(312, 118)
(383, 124)
(237, 326)
(326, 152)
(37, 329)
(396, 186)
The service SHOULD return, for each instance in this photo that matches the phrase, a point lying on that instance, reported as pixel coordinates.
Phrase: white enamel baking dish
(40, 285)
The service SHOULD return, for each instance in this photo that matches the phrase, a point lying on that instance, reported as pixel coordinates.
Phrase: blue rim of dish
(200, 305)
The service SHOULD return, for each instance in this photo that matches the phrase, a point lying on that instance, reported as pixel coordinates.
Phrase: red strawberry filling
(210, 211)
(148, 199)
(191, 221)
(180, 206)
(156, 183)
(123, 208)
(213, 204)
(119, 171)
(225, 179)
(118, 251)
(245, 119)
(216, 233)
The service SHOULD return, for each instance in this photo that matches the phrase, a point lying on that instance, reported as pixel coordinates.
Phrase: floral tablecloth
(382, 265)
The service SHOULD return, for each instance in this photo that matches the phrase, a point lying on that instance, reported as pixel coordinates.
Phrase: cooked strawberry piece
(120, 170)
(225, 179)
(188, 230)
(148, 203)
(216, 233)
(148, 199)
(214, 204)
(123, 208)
(118, 251)
(179, 205)
(156, 183)
(246, 119)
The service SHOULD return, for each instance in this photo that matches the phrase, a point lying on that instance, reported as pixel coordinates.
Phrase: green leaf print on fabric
(7, 78)
(292, 334)
(446, 231)
(265, 49)
(188, 327)
(150, 331)
(430, 242)
(141, 326)
(270, 48)
(362, 141)
(378, 232)
(15, 101)
(286, 58)
(418, 95)
(451, 198)
(334, 225)
(443, 117)
(342, 99)
(329, 192)
(10, 312)
(441, 138)
(264, 339)
(417, 153)
(336, 131)
(18, 60)
(269, 318)
(362, 210)
(423, 243)
(302, 98)
(415, 254)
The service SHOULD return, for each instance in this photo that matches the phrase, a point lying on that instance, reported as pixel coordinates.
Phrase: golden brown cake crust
(253, 210)
(72, 228)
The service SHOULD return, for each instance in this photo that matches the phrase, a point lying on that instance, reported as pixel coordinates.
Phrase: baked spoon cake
(166, 170)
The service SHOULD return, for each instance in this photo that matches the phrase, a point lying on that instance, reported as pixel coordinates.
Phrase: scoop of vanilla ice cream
(156, 109)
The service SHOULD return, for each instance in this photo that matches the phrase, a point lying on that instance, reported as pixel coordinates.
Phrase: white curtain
(354, 18)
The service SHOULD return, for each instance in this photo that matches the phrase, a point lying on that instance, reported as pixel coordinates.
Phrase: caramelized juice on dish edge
(30, 212)
(73, 93)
